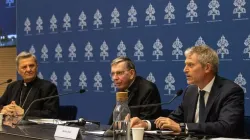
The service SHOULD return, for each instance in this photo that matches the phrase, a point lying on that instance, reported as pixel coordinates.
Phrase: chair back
(165, 112)
(247, 126)
(67, 112)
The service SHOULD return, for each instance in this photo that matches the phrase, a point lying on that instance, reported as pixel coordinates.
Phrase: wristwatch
(183, 127)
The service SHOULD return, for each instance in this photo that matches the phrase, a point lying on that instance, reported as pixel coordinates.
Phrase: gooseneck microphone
(46, 98)
(8, 81)
(178, 93)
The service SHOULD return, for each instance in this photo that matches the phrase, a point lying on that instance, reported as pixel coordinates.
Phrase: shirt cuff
(149, 124)
(186, 129)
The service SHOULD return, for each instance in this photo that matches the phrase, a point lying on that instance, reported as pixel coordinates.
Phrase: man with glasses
(20, 94)
(140, 90)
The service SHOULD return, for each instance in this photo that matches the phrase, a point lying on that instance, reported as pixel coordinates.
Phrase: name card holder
(66, 132)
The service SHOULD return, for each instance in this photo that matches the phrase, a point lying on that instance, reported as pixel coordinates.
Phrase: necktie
(202, 106)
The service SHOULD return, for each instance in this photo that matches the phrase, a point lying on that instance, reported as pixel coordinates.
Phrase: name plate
(66, 132)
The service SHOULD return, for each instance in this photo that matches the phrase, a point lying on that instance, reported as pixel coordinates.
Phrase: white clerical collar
(130, 85)
(208, 87)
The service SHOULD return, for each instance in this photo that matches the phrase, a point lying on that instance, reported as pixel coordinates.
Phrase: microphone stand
(8, 81)
(179, 92)
(45, 98)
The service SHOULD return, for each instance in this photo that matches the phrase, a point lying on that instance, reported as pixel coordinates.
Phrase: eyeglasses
(118, 73)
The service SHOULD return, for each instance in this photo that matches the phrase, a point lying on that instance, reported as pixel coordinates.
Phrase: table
(46, 132)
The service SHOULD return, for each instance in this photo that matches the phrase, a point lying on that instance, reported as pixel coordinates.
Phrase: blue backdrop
(8, 17)
(75, 42)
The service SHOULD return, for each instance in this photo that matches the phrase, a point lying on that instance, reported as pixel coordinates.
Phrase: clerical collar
(127, 90)
(29, 83)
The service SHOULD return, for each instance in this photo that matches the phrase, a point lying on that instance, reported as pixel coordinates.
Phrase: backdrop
(75, 42)
(8, 17)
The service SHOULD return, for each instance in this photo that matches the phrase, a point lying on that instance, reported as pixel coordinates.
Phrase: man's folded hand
(12, 110)
(18, 110)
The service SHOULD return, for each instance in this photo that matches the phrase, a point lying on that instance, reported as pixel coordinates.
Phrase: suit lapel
(213, 95)
(133, 89)
(16, 91)
(192, 106)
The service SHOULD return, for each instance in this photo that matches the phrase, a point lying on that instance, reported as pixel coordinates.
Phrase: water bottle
(121, 117)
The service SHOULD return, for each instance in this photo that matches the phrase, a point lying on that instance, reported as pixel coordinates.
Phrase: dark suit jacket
(224, 110)
(40, 89)
(143, 92)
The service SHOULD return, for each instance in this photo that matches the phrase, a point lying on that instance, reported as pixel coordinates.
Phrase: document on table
(52, 121)
(158, 132)
(96, 132)
(47, 121)
(227, 139)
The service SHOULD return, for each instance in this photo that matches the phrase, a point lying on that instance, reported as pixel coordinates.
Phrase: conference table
(46, 132)
(43, 132)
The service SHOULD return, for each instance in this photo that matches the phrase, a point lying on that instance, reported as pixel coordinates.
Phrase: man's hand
(167, 123)
(8, 110)
(12, 109)
(136, 122)
(18, 110)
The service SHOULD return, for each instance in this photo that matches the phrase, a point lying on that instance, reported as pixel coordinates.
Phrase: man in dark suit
(211, 104)
(140, 90)
(20, 94)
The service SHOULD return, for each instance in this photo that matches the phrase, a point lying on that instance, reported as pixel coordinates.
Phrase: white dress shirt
(207, 88)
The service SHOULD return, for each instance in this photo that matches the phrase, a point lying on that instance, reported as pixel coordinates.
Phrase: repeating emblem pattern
(139, 50)
(150, 11)
(151, 77)
(53, 24)
(223, 44)
(98, 82)
(157, 49)
(53, 78)
(214, 11)
(82, 21)
(169, 80)
(191, 14)
(104, 51)
(132, 16)
(241, 81)
(177, 45)
(67, 81)
(72, 52)
(67, 22)
(239, 9)
(169, 10)
(76, 45)
(247, 49)
(83, 81)
(98, 19)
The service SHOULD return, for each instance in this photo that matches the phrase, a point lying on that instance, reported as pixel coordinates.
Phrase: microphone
(46, 98)
(178, 93)
(82, 122)
(8, 81)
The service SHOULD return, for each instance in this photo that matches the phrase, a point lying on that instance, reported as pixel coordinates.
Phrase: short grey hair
(205, 55)
(129, 63)
(24, 55)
